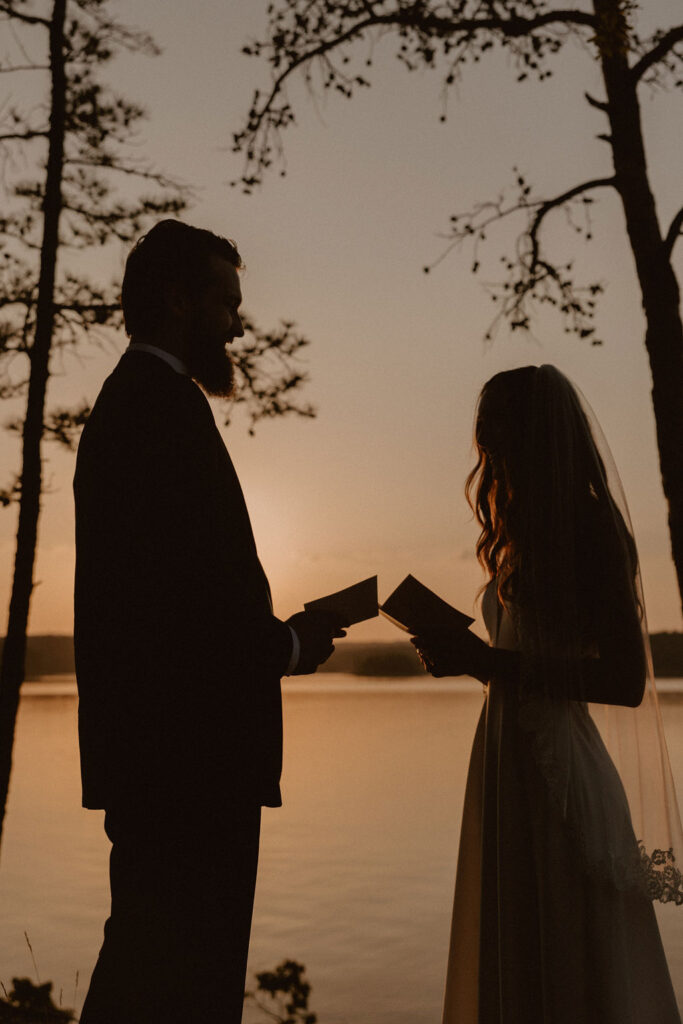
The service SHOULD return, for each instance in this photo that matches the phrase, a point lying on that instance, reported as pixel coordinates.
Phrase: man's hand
(454, 653)
(316, 631)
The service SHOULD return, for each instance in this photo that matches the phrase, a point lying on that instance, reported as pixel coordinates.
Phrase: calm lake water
(357, 869)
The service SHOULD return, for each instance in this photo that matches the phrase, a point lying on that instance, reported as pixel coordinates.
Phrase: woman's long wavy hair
(492, 487)
(539, 491)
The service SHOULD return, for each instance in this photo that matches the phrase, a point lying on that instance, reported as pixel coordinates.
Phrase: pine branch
(106, 163)
(64, 425)
(24, 67)
(11, 494)
(131, 39)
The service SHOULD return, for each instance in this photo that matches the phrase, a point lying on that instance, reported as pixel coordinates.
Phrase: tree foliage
(26, 1003)
(103, 191)
(109, 193)
(282, 994)
(332, 43)
(74, 182)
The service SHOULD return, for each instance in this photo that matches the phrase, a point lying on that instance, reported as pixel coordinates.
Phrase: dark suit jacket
(178, 653)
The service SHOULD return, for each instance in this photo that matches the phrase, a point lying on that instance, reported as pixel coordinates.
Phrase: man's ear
(177, 300)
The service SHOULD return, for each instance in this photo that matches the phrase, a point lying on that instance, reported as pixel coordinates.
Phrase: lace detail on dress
(664, 881)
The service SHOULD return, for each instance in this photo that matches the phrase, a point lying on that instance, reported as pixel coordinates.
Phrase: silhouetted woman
(564, 845)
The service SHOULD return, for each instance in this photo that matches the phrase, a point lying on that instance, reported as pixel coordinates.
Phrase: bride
(570, 825)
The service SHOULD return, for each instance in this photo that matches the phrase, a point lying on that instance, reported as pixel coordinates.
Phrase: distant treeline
(54, 655)
(378, 659)
(667, 654)
(400, 659)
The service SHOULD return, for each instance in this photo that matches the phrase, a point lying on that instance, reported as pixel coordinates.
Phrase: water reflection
(357, 868)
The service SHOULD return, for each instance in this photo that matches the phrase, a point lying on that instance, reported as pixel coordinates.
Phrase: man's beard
(212, 367)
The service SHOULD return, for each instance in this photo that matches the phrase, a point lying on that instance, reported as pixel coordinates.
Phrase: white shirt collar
(177, 364)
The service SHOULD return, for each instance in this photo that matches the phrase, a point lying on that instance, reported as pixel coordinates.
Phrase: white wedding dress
(536, 938)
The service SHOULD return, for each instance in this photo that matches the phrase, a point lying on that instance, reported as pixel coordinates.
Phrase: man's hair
(170, 254)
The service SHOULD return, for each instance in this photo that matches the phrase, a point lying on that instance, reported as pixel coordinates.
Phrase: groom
(178, 652)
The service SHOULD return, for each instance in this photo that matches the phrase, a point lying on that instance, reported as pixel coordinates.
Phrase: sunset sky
(375, 483)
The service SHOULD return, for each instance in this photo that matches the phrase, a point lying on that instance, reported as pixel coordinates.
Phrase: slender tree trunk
(13, 655)
(658, 284)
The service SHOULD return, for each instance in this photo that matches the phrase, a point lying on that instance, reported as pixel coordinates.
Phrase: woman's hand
(454, 653)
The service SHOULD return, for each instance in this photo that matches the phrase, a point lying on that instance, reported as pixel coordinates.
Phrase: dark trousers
(175, 946)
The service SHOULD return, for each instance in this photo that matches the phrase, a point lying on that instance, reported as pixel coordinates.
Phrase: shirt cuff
(296, 651)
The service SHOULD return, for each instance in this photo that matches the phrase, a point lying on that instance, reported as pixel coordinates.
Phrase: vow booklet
(356, 603)
(415, 608)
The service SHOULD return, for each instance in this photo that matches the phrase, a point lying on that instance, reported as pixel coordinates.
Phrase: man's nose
(237, 327)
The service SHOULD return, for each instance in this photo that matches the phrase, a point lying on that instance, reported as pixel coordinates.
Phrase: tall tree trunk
(658, 284)
(14, 651)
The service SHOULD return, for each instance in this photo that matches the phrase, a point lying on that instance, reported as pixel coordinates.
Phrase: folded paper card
(355, 603)
(416, 609)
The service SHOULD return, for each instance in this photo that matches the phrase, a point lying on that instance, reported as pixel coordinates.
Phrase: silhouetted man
(178, 653)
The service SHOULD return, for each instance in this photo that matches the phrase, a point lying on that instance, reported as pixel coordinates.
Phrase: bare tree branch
(413, 17)
(674, 232)
(330, 44)
(474, 224)
(658, 52)
(598, 104)
(8, 8)
(22, 136)
(530, 275)
(552, 204)
(24, 67)
(436, 25)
